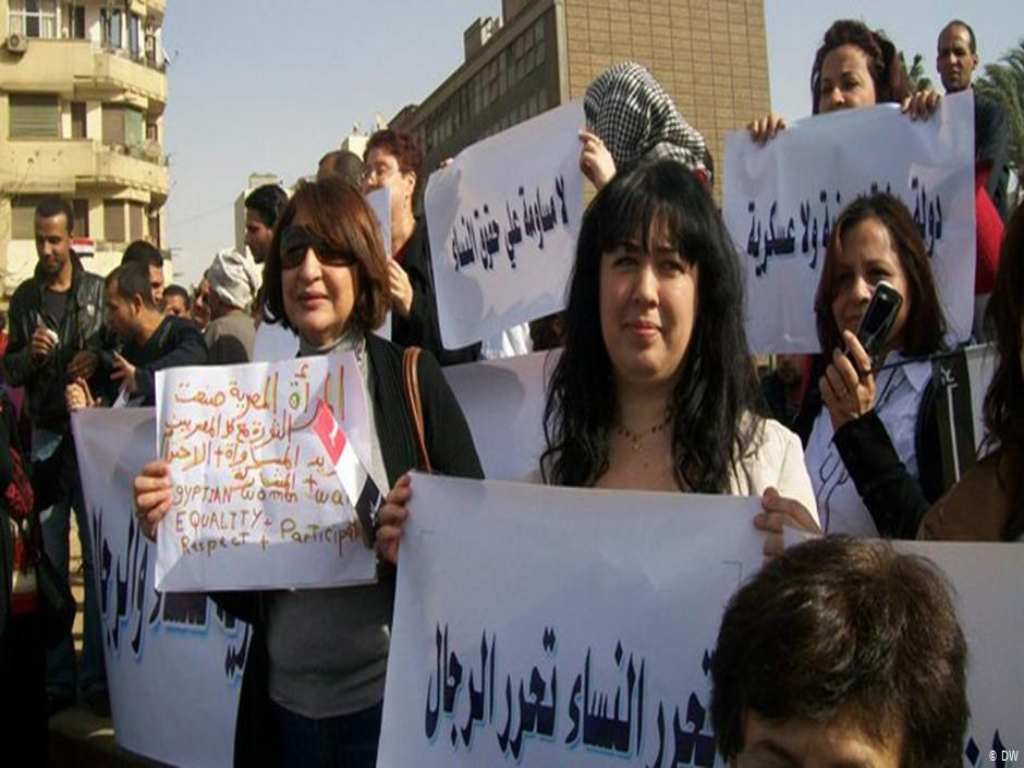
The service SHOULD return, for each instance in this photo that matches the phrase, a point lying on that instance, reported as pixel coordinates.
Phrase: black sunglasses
(296, 240)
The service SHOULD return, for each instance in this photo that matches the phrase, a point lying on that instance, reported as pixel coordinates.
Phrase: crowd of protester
(655, 389)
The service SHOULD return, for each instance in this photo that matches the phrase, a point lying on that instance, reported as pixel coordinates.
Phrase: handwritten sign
(503, 219)
(256, 500)
(781, 202)
(172, 658)
(594, 650)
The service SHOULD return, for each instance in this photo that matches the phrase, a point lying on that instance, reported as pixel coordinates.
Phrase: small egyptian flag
(355, 480)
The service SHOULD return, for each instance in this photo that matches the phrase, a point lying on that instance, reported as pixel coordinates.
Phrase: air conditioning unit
(17, 43)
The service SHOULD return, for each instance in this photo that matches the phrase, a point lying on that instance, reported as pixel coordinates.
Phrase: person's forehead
(57, 222)
(953, 35)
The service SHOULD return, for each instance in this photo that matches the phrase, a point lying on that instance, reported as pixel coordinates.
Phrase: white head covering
(233, 278)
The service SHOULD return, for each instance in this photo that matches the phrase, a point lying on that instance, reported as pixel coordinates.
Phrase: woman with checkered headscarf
(629, 116)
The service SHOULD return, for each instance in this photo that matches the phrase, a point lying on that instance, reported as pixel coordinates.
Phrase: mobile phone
(878, 320)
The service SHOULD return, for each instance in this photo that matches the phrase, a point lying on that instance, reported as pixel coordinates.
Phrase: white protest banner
(986, 579)
(503, 401)
(380, 202)
(523, 612)
(256, 501)
(503, 219)
(274, 342)
(174, 661)
(553, 626)
(782, 200)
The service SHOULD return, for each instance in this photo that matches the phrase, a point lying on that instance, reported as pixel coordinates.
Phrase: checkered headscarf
(635, 117)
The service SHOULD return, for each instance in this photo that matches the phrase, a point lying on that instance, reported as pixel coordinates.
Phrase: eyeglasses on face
(297, 240)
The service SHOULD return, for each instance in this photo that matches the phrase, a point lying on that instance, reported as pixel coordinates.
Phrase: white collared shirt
(897, 401)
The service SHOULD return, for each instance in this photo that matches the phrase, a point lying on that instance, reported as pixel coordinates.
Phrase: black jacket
(452, 452)
(81, 328)
(421, 328)
(175, 343)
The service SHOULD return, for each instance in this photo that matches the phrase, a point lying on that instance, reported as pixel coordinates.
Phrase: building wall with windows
(710, 55)
(82, 96)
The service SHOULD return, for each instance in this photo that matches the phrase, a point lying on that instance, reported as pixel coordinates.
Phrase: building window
(78, 121)
(113, 221)
(33, 18)
(134, 42)
(74, 19)
(34, 116)
(111, 20)
(136, 214)
(154, 228)
(80, 208)
(23, 217)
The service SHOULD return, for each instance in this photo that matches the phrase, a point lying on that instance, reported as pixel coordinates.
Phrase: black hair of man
(342, 164)
(846, 631)
(181, 292)
(970, 33)
(144, 253)
(132, 279)
(54, 206)
(267, 202)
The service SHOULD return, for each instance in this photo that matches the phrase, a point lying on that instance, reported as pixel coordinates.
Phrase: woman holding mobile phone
(872, 445)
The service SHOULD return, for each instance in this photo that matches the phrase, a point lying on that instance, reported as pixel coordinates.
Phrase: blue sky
(269, 86)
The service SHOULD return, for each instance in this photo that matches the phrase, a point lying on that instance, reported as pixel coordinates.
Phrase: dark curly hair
(339, 215)
(887, 71)
(717, 387)
(848, 631)
(1004, 401)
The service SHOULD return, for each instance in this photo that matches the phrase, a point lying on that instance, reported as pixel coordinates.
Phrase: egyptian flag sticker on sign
(355, 480)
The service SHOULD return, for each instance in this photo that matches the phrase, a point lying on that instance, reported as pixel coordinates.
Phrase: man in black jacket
(152, 341)
(56, 334)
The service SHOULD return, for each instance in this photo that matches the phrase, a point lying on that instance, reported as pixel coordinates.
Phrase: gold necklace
(636, 439)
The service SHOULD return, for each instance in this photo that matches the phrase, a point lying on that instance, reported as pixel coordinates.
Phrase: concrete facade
(710, 55)
(82, 96)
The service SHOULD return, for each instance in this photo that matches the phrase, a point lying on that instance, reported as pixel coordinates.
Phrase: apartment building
(83, 91)
(710, 55)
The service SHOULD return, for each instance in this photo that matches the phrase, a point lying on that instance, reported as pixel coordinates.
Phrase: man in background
(56, 337)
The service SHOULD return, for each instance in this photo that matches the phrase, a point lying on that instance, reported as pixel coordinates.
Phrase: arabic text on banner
(503, 219)
(782, 200)
(174, 660)
(573, 627)
(256, 501)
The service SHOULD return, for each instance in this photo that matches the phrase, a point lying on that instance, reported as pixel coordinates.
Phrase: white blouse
(897, 401)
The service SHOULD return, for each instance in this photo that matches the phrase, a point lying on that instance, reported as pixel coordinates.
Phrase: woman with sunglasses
(314, 681)
(393, 160)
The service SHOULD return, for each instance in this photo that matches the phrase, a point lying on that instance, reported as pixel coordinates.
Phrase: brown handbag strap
(412, 395)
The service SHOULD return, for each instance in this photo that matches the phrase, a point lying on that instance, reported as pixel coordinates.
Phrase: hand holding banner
(781, 202)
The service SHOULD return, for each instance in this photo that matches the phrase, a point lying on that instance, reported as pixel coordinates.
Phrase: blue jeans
(348, 741)
(56, 524)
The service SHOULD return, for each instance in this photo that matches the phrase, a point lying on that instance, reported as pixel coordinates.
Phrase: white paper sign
(256, 501)
(524, 613)
(503, 402)
(174, 661)
(516, 604)
(782, 200)
(503, 219)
